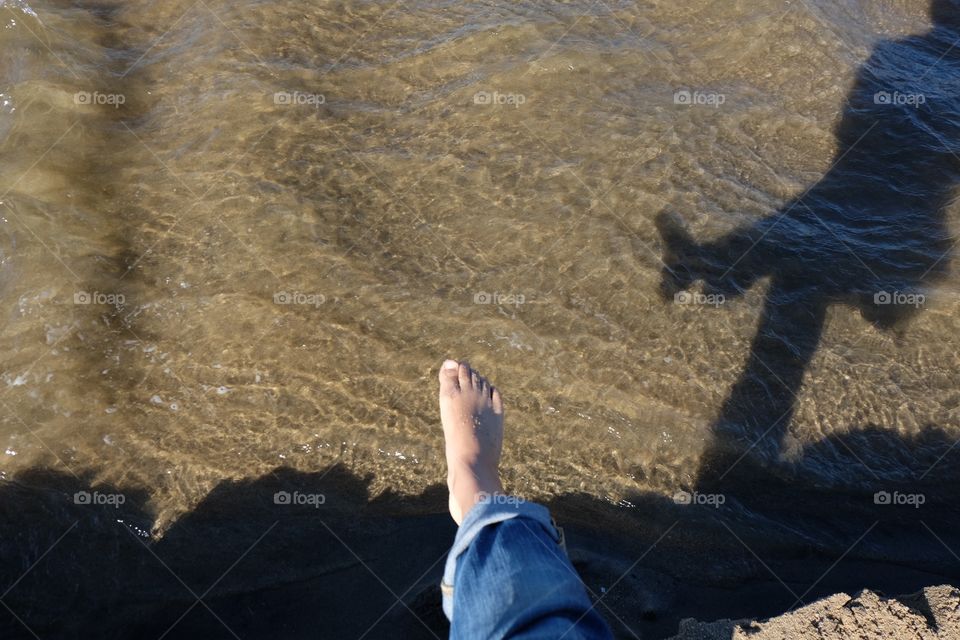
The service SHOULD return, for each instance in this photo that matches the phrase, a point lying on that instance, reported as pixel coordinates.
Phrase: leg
(506, 574)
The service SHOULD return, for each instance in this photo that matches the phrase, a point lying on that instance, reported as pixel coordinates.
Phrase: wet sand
(360, 566)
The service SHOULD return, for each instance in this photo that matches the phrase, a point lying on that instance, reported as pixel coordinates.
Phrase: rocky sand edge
(933, 613)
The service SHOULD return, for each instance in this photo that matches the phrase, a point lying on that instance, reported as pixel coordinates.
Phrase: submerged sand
(292, 273)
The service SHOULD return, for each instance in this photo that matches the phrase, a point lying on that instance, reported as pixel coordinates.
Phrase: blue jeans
(507, 577)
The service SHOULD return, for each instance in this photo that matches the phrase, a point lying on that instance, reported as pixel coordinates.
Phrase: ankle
(469, 485)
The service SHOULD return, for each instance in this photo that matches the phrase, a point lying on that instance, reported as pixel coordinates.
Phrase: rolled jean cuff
(488, 511)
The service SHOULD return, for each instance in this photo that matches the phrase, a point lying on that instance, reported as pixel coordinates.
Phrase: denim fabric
(507, 577)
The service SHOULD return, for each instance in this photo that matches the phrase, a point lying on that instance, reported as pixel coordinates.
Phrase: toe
(476, 379)
(464, 373)
(449, 379)
(497, 400)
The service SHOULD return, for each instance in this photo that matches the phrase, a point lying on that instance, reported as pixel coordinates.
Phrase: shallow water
(284, 215)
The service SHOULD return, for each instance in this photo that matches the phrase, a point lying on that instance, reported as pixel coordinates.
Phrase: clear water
(284, 215)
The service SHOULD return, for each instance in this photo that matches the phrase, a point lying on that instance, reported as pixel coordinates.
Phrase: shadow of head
(871, 232)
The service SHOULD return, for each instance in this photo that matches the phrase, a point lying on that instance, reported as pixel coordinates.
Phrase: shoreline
(357, 564)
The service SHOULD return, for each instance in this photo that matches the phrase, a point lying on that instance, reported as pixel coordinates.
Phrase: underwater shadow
(871, 234)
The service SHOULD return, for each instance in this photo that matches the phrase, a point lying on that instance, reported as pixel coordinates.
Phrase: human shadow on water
(871, 233)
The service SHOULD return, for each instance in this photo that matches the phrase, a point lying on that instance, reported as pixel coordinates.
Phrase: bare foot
(471, 411)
